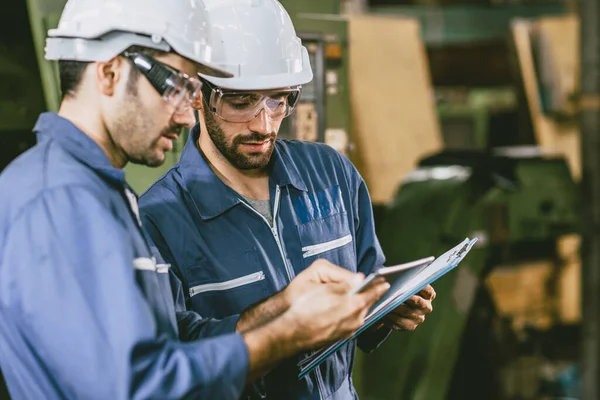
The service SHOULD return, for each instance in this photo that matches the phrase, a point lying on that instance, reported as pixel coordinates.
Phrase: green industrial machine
(516, 202)
(437, 206)
(466, 115)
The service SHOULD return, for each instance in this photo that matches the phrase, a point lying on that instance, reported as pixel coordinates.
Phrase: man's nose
(262, 123)
(185, 118)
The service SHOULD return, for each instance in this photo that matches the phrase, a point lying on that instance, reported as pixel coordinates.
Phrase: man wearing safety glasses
(242, 213)
(86, 311)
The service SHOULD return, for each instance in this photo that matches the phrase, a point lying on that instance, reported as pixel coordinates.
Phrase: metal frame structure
(318, 79)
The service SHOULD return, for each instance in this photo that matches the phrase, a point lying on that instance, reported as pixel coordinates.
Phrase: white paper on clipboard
(390, 274)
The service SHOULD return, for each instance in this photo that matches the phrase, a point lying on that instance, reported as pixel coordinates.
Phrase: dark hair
(206, 92)
(71, 72)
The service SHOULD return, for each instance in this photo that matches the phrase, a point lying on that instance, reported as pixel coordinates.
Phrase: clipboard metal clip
(460, 252)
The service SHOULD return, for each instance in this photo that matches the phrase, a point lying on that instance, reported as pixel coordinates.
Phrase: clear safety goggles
(176, 88)
(245, 106)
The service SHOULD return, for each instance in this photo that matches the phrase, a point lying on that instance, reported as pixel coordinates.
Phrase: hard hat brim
(113, 44)
(265, 82)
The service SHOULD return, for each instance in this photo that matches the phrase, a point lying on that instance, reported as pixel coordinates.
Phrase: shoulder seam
(160, 184)
(45, 164)
(159, 181)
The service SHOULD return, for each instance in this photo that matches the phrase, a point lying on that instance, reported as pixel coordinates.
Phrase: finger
(419, 303)
(328, 272)
(428, 292)
(371, 294)
(413, 301)
(340, 288)
(410, 316)
(403, 310)
(343, 287)
(401, 325)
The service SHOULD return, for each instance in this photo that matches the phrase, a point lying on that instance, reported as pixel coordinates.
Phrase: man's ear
(108, 75)
(197, 102)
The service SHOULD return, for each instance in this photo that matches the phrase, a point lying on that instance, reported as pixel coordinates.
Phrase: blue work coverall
(228, 257)
(85, 311)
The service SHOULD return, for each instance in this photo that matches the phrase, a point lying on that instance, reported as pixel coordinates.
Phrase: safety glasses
(175, 87)
(233, 106)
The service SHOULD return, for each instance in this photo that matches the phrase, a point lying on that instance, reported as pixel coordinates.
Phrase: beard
(233, 152)
(133, 132)
(151, 155)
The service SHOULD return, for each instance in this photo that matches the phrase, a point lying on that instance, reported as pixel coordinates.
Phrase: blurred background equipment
(465, 118)
(22, 95)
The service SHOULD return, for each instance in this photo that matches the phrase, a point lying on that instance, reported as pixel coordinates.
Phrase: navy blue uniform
(86, 311)
(228, 257)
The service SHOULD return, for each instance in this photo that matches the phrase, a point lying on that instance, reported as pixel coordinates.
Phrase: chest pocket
(324, 230)
(225, 286)
(153, 280)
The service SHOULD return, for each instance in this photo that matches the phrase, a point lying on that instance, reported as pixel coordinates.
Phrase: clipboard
(406, 284)
(391, 273)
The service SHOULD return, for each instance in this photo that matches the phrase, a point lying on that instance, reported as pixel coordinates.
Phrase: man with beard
(85, 310)
(243, 213)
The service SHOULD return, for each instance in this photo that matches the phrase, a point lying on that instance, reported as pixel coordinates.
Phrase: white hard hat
(257, 44)
(98, 30)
